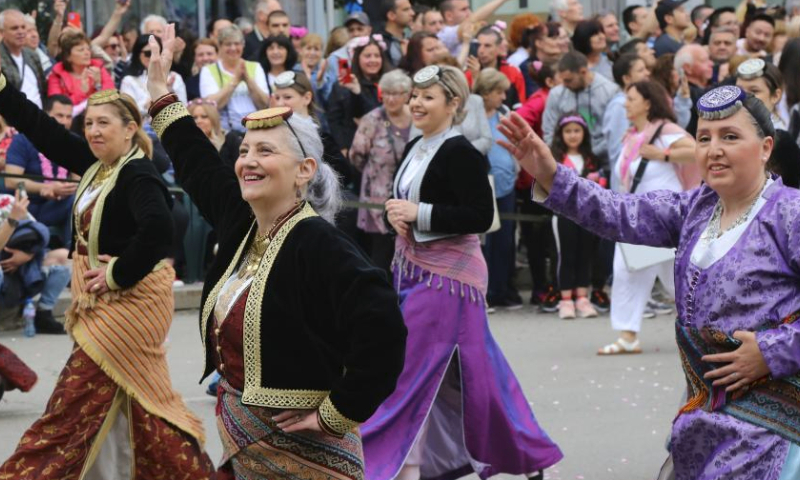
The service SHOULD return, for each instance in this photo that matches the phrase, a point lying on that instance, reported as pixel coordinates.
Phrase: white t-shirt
(658, 175)
(449, 36)
(240, 103)
(30, 86)
(577, 162)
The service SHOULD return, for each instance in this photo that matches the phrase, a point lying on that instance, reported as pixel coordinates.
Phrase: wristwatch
(13, 222)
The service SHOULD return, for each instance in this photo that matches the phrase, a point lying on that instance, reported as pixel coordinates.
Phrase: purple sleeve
(781, 349)
(653, 218)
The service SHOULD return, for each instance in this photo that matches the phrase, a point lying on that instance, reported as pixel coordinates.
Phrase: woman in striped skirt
(113, 413)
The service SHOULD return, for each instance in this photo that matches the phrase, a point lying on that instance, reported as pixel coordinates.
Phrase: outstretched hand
(528, 148)
(160, 63)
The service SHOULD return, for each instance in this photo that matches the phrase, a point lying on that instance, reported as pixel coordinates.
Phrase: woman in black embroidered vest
(442, 200)
(305, 332)
(115, 392)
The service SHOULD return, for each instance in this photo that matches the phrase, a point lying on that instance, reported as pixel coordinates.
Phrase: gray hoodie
(590, 103)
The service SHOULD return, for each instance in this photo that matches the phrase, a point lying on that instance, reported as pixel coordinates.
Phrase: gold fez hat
(271, 118)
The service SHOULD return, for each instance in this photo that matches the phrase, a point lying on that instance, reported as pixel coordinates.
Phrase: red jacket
(514, 76)
(532, 111)
(61, 82)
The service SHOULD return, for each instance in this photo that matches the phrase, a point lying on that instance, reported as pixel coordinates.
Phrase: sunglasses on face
(113, 46)
(147, 53)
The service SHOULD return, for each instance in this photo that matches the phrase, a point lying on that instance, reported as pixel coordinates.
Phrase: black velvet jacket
(330, 332)
(456, 184)
(136, 224)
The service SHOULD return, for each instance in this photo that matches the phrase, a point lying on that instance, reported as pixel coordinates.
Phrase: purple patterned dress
(752, 286)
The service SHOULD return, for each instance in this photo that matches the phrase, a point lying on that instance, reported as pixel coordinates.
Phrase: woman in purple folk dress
(737, 279)
(457, 408)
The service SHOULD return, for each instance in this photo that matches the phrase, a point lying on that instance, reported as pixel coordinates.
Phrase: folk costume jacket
(322, 326)
(135, 226)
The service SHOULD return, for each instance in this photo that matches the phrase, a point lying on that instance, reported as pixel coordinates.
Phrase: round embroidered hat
(750, 69)
(427, 76)
(104, 96)
(721, 102)
(267, 118)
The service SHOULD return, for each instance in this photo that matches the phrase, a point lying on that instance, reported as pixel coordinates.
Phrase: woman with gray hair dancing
(305, 332)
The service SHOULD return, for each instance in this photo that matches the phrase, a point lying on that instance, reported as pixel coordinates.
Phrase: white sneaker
(566, 310)
(648, 313)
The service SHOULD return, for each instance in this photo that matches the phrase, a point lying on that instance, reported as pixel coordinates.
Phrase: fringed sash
(456, 258)
(773, 404)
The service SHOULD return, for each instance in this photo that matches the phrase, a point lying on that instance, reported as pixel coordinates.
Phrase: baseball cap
(665, 7)
(359, 17)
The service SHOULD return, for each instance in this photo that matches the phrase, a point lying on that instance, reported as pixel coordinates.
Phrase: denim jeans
(499, 252)
(57, 278)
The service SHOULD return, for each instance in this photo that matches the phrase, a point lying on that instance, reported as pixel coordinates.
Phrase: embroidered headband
(573, 119)
(271, 118)
(104, 96)
(750, 69)
(721, 102)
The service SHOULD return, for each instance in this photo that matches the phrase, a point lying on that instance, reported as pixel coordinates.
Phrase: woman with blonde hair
(458, 408)
(114, 394)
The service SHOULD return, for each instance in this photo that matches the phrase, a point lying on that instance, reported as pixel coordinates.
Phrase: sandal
(621, 347)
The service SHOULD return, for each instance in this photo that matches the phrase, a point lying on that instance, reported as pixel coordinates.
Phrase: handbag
(496, 218)
(638, 257)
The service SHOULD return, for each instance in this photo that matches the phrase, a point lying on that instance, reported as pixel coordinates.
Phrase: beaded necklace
(714, 231)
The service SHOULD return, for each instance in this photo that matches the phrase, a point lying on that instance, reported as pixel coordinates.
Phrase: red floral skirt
(15, 372)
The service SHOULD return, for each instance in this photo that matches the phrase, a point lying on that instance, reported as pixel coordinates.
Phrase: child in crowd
(572, 146)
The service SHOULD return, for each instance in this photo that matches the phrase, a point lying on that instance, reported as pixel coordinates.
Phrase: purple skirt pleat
(445, 320)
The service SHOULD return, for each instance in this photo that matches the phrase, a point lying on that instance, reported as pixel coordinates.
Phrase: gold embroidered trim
(3, 82)
(104, 96)
(169, 115)
(112, 284)
(333, 419)
(253, 393)
(93, 244)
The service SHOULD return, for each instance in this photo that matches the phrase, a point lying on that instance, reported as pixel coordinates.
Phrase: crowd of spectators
(576, 78)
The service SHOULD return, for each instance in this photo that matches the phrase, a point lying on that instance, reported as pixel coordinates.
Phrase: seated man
(51, 205)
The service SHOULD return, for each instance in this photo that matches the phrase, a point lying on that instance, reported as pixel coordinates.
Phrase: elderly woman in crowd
(238, 86)
(305, 332)
(376, 152)
(135, 82)
(276, 55)
(356, 94)
(652, 153)
(765, 82)
(115, 393)
(737, 275)
(499, 247)
(458, 408)
(77, 75)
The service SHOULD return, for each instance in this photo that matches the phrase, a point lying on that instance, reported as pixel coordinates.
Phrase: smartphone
(74, 19)
(344, 71)
(177, 26)
(23, 193)
(473, 49)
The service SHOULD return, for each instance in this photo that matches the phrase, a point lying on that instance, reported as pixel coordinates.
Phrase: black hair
(761, 116)
(696, 11)
(386, 64)
(559, 148)
(540, 76)
(276, 13)
(582, 37)
(623, 67)
(713, 21)
(790, 68)
(386, 7)
(627, 17)
(763, 17)
(283, 41)
(630, 46)
(50, 101)
(136, 67)
(490, 30)
(572, 62)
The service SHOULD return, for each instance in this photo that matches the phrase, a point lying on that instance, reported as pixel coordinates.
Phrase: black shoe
(46, 323)
(2, 386)
(509, 304)
(551, 299)
(538, 476)
(600, 301)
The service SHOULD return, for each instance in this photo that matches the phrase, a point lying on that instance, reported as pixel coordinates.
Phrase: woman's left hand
(401, 211)
(651, 152)
(297, 420)
(96, 278)
(745, 365)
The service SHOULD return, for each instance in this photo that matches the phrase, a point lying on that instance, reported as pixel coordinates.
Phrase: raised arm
(655, 218)
(113, 23)
(48, 136)
(199, 170)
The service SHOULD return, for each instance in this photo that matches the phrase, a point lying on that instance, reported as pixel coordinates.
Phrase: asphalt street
(610, 416)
